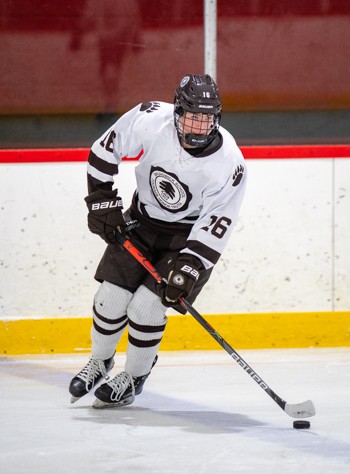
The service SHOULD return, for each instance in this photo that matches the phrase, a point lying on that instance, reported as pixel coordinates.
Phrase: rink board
(241, 331)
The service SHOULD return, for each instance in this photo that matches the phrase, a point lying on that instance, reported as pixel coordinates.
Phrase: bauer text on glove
(105, 214)
(183, 274)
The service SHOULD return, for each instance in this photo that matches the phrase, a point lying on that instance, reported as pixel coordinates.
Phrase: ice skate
(89, 377)
(120, 391)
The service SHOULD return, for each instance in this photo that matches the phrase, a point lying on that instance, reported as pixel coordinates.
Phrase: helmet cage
(197, 95)
(192, 138)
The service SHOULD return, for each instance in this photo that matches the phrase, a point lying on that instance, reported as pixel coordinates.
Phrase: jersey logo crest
(149, 107)
(170, 192)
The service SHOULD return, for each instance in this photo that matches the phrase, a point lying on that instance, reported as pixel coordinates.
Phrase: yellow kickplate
(241, 331)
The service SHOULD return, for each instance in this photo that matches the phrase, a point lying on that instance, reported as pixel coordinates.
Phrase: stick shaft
(233, 353)
(129, 246)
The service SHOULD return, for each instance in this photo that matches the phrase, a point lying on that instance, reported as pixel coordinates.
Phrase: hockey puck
(301, 424)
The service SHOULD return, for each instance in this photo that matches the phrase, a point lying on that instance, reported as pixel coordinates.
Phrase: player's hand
(105, 214)
(183, 274)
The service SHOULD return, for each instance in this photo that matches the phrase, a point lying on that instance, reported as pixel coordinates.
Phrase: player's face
(200, 124)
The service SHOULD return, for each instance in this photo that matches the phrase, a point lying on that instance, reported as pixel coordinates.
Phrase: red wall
(77, 56)
(249, 152)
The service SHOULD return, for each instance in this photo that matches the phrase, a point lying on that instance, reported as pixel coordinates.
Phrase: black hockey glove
(105, 214)
(183, 274)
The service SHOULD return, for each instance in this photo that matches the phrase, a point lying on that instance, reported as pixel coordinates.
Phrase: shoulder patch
(238, 175)
(149, 107)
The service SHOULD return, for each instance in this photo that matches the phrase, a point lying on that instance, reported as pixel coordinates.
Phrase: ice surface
(200, 413)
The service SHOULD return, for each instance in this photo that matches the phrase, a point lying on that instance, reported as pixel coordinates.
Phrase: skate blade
(74, 399)
(100, 404)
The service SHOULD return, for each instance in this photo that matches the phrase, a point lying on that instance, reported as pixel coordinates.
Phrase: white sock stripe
(142, 342)
(146, 328)
(108, 332)
(145, 336)
(107, 320)
(108, 325)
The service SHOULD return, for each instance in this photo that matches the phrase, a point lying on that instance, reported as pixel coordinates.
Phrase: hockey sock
(147, 321)
(109, 319)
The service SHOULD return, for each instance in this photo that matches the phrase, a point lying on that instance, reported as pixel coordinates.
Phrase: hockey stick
(298, 410)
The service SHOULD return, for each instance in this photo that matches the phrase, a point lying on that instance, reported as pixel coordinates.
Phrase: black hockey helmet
(198, 95)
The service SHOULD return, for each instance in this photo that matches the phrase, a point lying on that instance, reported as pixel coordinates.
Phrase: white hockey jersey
(203, 191)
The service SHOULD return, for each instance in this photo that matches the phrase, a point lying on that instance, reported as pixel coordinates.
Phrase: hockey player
(191, 179)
